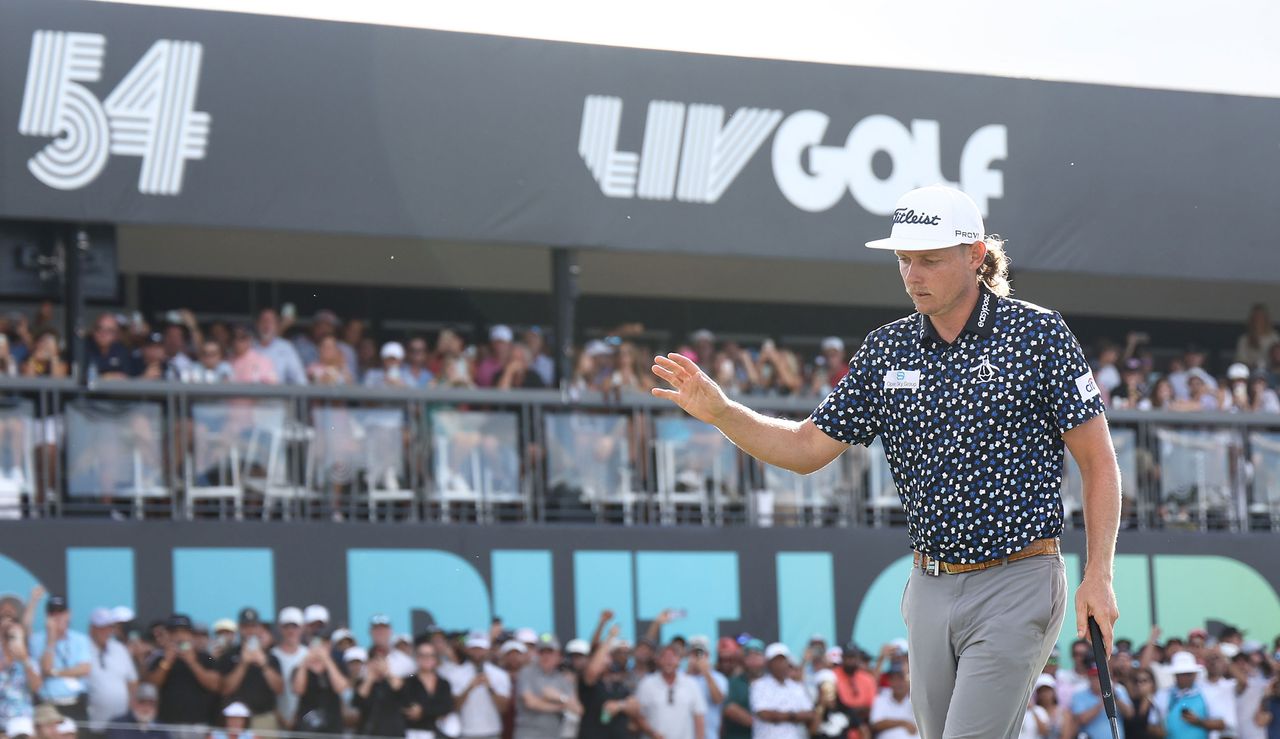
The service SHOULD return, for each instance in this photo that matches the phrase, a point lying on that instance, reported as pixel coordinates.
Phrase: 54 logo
(150, 114)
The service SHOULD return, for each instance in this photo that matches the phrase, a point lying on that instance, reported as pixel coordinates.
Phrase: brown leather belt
(931, 566)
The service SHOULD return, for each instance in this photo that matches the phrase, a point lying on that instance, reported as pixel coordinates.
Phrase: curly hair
(994, 271)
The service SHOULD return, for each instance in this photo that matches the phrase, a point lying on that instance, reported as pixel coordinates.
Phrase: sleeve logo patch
(1087, 386)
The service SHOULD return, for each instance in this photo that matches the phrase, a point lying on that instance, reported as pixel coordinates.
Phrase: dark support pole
(564, 288)
(72, 244)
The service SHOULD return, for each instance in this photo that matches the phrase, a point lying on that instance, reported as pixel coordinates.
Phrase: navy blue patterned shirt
(972, 429)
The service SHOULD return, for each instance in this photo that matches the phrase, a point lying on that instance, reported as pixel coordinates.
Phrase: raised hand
(693, 391)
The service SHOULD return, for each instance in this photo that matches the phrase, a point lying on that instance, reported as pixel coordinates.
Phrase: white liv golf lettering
(692, 154)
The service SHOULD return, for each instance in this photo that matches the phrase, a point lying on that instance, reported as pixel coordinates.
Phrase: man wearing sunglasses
(671, 701)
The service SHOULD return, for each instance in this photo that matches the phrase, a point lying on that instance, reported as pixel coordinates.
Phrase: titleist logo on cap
(903, 215)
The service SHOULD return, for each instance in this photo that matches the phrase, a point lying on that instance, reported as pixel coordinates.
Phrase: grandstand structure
(158, 159)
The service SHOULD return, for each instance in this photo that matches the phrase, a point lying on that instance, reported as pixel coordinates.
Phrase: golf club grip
(1100, 657)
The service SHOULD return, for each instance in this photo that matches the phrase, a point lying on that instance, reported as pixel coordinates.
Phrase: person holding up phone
(1187, 711)
(187, 680)
(251, 675)
(19, 674)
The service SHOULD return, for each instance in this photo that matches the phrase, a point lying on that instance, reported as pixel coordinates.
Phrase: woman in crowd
(330, 367)
(377, 698)
(1262, 399)
(20, 676)
(1146, 720)
(778, 370)
(318, 682)
(45, 361)
(425, 696)
(452, 365)
(1260, 335)
(9, 365)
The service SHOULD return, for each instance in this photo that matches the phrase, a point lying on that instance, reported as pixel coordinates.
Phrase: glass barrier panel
(115, 450)
(588, 462)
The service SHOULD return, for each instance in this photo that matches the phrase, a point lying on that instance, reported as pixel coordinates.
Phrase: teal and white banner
(776, 583)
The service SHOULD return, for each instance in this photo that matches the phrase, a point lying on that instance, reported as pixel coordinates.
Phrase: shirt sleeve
(848, 413)
(757, 698)
(82, 650)
(877, 708)
(501, 683)
(699, 701)
(1067, 387)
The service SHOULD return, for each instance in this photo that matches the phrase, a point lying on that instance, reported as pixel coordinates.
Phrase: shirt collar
(981, 321)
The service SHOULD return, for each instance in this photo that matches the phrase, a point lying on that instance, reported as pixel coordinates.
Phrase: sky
(1227, 46)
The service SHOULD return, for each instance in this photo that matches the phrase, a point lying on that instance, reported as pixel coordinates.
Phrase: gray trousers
(976, 643)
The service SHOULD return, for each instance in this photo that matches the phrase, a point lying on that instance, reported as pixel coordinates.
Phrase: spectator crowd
(175, 679)
(280, 349)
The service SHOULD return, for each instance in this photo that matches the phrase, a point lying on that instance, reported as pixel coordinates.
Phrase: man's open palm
(693, 391)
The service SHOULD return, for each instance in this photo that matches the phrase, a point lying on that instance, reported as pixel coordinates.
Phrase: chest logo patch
(985, 371)
(902, 380)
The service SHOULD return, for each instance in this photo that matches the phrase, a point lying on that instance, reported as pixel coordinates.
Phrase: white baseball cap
(1238, 371)
(1045, 681)
(355, 654)
(777, 649)
(501, 332)
(290, 615)
(393, 350)
(122, 614)
(316, 612)
(577, 646)
(478, 641)
(526, 635)
(933, 217)
(236, 710)
(102, 617)
(513, 646)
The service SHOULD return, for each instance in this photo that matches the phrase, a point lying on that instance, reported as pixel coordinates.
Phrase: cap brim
(900, 243)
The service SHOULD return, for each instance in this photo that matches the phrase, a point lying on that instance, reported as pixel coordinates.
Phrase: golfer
(974, 396)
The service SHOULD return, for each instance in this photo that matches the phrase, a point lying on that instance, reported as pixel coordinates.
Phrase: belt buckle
(931, 567)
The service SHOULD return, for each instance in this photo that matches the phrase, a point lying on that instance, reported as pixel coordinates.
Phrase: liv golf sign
(691, 154)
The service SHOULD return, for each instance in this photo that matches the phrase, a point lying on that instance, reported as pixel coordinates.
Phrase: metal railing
(182, 451)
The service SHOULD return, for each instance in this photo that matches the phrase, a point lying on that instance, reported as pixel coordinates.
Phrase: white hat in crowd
(512, 646)
(316, 613)
(1238, 371)
(933, 217)
(290, 615)
(577, 646)
(1045, 681)
(393, 350)
(501, 333)
(1183, 663)
(526, 635)
(340, 634)
(833, 343)
(777, 649)
(355, 654)
(20, 726)
(122, 614)
(478, 641)
(102, 617)
(236, 710)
